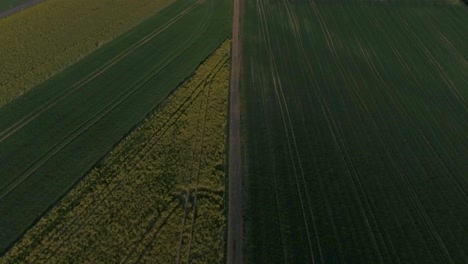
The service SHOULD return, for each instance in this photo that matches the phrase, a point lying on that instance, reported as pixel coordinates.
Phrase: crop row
(159, 195)
(355, 120)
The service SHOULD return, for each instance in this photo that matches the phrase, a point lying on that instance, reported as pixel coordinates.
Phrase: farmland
(53, 135)
(355, 131)
(158, 197)
(7, 4)
(42, 41)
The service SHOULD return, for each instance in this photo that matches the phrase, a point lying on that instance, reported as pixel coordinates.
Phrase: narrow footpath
(235, 231)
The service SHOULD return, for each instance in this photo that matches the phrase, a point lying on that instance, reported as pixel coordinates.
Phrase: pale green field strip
(158, 197)
(53, 135)
(39, 42)
(356, 121)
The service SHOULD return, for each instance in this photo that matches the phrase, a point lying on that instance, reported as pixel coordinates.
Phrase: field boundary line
(235, 212)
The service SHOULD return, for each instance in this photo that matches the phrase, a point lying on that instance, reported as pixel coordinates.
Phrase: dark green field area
(407, 3)
(7, 4)
(356, 132)
(50, 137)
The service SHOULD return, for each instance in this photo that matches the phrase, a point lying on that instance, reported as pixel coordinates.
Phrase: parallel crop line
(270, 152)
(301, 47)
(299, 43)
(281, 101)
(434, 62)
(452, 176)
(421, 211)
(339, 140)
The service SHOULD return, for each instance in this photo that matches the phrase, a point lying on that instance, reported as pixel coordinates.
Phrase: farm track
(235, 201)
(84, 127)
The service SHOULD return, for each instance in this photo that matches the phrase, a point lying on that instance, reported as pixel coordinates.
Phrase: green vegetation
(158, 197)
(42, 41)
(355, 129)
(53, 135)
(7, 4)
(392, 2)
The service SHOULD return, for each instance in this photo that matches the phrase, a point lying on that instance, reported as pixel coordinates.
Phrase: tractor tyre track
(235, 225)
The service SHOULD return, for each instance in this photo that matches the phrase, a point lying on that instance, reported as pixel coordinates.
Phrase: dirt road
(19, 8)
(235, 231)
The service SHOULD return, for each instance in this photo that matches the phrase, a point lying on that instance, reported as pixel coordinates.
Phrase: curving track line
(192, 227)
(201, 124)
(290, 138)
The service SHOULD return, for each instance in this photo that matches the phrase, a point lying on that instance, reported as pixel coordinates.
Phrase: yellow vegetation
(41, 41)
(159, 195)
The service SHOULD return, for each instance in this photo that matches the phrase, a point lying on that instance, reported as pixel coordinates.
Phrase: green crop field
(7, 4)
(52, 136)
(355, 120)
(39, 42)
(158, 197)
